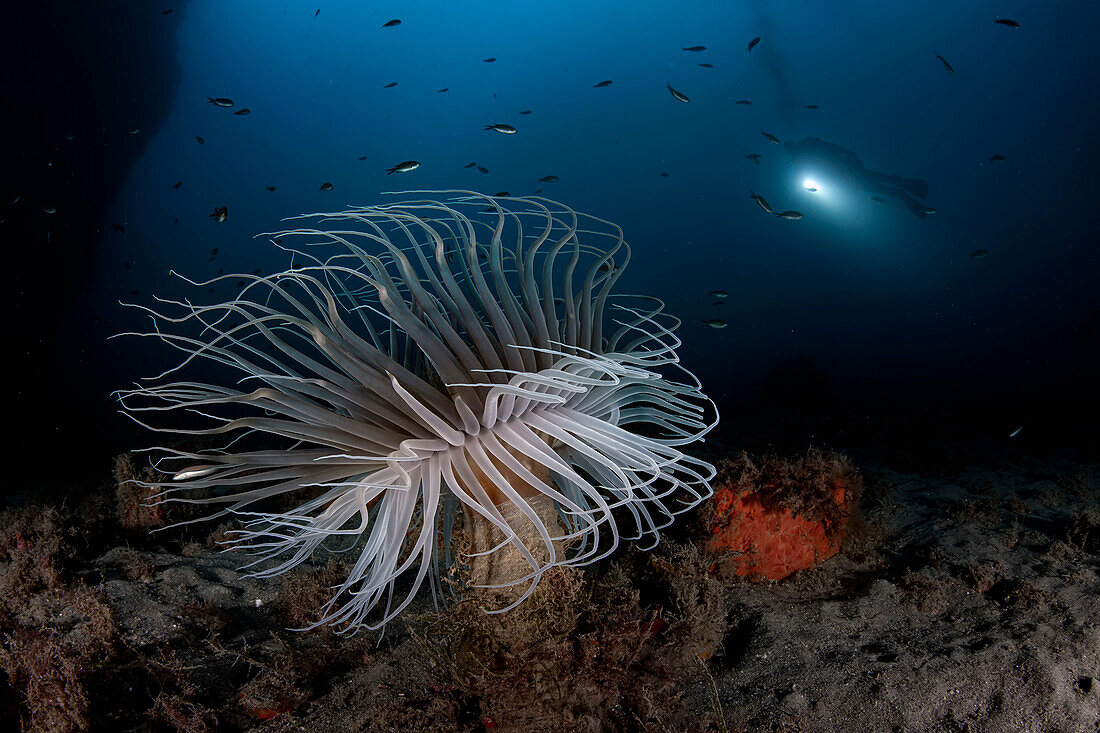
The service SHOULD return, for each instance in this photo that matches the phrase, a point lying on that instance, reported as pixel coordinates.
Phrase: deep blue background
(882, 302)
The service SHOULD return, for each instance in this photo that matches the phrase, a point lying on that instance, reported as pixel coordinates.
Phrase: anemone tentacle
(456, 350)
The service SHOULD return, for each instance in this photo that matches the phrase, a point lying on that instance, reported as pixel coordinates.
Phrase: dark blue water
(869, 292)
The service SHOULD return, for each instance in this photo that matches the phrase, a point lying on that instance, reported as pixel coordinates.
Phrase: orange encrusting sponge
(763, 534)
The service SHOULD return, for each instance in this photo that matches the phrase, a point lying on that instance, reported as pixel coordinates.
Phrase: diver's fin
(916, 186)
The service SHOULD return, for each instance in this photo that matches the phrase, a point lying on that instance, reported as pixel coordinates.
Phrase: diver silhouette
(845, 165)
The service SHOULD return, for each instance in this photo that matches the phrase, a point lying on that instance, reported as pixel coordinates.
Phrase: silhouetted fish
(979, 253)
(770, 137)
(490, 60)
(996, 156)
(664, 174)
(549, 179)
(743, 101)
(221, 213)
(812, 106)
(945, 64)
(177, 184)
(391, 23)
(754, 157)
(317, 13)
(391, 85)
(270, 188)
(1008, 23)
(605, 83)
(696, 49)
(444, 89)
(714, 323)
(201, 141)
(408, 165)
(706, 66)
(361, 157)
(503, 129)
(718, 293)
(134, 131)
(119, 229)
(220, 101)
(482, 169)
(525, 112)
(502, 194)
(242, 111)
(678, 96)
(470, 165)
(753, 42)
(760, 201)
(326, 186)
(791, 215)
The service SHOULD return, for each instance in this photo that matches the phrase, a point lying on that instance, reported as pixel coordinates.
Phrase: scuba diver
(843, 164)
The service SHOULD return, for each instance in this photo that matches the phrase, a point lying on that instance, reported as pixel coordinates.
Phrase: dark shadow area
(85, 84)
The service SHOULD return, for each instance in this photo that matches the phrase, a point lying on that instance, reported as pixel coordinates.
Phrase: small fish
(719, 302)
(166, 12)
(791, 215)
(880, 199)
(502, 194)
(811, 189)
(213, 254)
(1010, 24)
(49, 209)
(326, 186)
(695, 49)
(770, 137)
(391, 85)
(927, 210)
(134, 131)
(257, 271)
(128, 265)
(200, 140)
(444, 89)
(760, 201)
(408, 165)
(317, 13)
(242, 112)
(743, 101)
(489, 60)
(220, 101)
(176, 221)
(270, 188)
(361, 157)
(470, 165)
(549, 179)
(715, 323)
(1016, 432)
(996, 156)
(220, 213)
(678, 96)
(391, 23)
(177, 184)
(483, 169)
(604, 83)
(753, 42)
(945, 64)
(502, 129)
(664, 174)
(979, 253)
(812, 106)
(525, 112)
(754, 157)
(119, 229)
(15, 199)
(718, 293)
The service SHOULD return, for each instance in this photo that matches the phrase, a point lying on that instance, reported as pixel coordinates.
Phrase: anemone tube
(451, 351)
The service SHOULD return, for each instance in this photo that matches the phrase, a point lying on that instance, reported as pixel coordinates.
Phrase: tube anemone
(454, 351)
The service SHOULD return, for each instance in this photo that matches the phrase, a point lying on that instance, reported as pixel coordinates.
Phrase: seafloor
(967, 599)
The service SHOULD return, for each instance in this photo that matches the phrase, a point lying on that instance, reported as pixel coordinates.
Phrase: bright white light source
(810, 184)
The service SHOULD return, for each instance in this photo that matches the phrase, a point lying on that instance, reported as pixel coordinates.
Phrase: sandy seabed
(969, 602)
